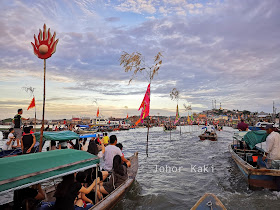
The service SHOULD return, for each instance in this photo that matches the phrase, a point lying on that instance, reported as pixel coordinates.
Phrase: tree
(136, 62)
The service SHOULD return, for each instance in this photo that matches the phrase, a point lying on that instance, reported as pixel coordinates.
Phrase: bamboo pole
(43, 117)
(148, 135)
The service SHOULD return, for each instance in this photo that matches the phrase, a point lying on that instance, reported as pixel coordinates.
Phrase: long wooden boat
(113, 198)
(36, 168)
(208, 201)
(255, 177)
(208, 136)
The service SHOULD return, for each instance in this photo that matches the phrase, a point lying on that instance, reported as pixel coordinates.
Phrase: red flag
(145, 105)
(97, 114)
(32, 104)
(127, 116)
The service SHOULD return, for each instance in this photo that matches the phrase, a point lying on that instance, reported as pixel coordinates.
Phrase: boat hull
(113, 198)
(257, 178)
(208, 137)
(208, 201)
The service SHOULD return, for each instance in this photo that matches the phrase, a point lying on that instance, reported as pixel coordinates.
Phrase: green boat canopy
(255, 137)
(25, 170)
(57, 136)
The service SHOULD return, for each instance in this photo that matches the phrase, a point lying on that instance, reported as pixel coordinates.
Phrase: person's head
(106, 134)
(81, 177)
(119, 145)
(11, 130)
(19, 111)
(26, 129)
(113, 139)
(31, 128)
(269, 128)
(65, 185)
(53, 143)
(242, 120)
(117, 165)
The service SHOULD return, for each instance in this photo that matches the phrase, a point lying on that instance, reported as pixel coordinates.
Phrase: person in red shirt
(242, 126)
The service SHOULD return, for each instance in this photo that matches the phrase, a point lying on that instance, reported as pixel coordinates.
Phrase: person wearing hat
(272, 144)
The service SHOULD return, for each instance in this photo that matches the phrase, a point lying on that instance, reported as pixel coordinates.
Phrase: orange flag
(32, 104)
(138, 121)
(97, 114)
(127, 116)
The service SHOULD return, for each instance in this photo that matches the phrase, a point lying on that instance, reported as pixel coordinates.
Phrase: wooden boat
(63, 162)
(113, 198)
(169, 128)
(208, 201)
(256, 177)
(208, 136)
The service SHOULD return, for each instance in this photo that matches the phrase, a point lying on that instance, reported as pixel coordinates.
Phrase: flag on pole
(145, 105)
(97, 114)
(177, 115)
(188, 119)
(127, 116)
(138, 121)
(32, 103)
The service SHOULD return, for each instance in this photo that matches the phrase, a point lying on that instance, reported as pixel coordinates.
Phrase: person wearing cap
(272, 144)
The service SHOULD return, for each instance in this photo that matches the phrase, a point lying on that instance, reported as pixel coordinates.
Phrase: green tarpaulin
(57, 136)
(255, 137)
(18, 166)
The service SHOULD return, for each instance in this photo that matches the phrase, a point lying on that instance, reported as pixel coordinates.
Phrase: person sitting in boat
(62, 145)
(106, 139)
(68, 190)
(27, 141)
(10, 142)
(92, 147)
(272, 144)
(242, 126)
(78, 145)
(118, 176)
(30, 196)
(82, 201)
(110, 151)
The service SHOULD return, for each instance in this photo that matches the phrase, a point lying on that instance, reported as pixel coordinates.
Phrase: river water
(158, 188)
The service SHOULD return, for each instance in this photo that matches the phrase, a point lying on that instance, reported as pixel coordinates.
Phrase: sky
(223, 50)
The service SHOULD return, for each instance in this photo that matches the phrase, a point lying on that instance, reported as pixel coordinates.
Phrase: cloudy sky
(228, 51)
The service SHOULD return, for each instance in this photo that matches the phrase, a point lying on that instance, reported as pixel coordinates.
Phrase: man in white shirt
(110, 151)
(272, 144)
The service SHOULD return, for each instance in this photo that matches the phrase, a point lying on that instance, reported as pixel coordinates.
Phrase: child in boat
(68, 190)
(11, 138)
(119, 175)
(27, 141)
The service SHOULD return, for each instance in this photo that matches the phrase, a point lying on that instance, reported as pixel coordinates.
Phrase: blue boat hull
(257, 178)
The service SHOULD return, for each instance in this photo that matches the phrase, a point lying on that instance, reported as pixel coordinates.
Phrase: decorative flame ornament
(45, 46)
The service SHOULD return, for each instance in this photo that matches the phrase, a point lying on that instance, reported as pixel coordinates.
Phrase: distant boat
(260, 126)
(246, 161)
(209, 134)
(208, 201)
(168, 127)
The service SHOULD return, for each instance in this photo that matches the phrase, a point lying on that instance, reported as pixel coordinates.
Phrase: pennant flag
(32, 104)
(138, 121)
(177, 115)
(127, 116)
(97, 114)
(188, 120)
(192, 117)
(145, 105)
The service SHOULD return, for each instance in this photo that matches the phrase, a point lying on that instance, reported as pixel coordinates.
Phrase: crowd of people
(76, 191)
